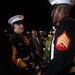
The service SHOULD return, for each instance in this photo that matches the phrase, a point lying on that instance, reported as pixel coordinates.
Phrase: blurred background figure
(7, 34)
(28, 34)
(42, 42)
(36, 50)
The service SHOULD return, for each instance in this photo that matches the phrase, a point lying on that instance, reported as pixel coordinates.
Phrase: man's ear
(12, 26)
(58, 9)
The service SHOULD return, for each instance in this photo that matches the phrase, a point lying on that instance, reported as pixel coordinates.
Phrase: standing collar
(66, 17)
(18, 34)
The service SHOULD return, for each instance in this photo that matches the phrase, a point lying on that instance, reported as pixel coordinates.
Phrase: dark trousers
(37, 60)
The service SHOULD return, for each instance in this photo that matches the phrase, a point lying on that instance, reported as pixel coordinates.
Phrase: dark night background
(36, 12)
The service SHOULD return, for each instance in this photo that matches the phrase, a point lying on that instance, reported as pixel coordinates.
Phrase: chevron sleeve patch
(63, 42)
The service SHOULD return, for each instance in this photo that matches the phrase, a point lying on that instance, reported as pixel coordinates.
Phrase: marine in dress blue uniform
(21, 44)
(63, 43)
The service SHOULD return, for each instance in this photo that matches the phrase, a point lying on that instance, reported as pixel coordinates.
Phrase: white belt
(26, 58)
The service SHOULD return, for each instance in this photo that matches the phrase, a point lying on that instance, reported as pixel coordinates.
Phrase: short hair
(66, 8)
